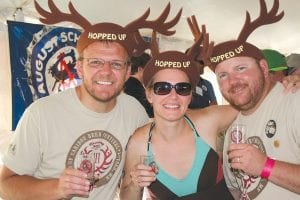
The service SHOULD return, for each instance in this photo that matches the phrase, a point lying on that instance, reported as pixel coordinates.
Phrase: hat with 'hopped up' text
(129, 36)
(239, 47)
(178, 60)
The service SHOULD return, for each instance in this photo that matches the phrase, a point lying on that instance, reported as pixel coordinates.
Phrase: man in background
(203, 95)
(134, 86)
(293, 62)
(277, 64)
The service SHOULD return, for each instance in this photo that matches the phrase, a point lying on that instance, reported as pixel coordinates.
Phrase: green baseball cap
(275, 60)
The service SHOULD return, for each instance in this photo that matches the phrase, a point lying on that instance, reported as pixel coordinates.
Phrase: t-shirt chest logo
(103, 147)
(254, 185)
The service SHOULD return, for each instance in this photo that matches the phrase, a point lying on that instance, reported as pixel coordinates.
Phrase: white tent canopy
(223, 19)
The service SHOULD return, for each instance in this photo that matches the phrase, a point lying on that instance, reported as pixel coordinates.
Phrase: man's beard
(252, 98)
(92, 92)
(106, 99)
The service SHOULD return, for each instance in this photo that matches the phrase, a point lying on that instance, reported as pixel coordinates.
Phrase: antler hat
(178, 60)
(129, 36)
(205, 49)
(239, 47)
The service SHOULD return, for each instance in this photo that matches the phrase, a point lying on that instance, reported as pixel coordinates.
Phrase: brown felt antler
(56, 16)
(195, 49)
(240, 47)
(159, 25)
(154, 45)
(128, 36)
(193, 24)
(207, 47)
(264, 18)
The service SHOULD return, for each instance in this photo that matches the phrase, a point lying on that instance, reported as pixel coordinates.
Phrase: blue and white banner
(43, 61)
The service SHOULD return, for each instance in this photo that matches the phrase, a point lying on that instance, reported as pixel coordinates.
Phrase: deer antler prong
(154, 45)
(159, 24)
(56, 16)
(264, 18)
(207, 47)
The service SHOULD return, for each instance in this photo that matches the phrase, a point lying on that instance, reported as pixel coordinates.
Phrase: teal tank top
(187, 185)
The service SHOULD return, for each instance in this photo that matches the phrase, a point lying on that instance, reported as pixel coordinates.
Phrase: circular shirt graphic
(97, 151)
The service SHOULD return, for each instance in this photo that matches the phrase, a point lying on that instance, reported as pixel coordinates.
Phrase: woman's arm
(136, 175)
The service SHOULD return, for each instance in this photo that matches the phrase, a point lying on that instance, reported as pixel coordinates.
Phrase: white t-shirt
(275, 129)
(55, 129)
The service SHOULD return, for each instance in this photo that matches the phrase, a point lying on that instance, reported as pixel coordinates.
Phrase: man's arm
(286, 175)
(15, 187)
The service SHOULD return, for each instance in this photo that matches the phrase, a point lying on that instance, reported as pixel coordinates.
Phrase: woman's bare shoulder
(141, 132)
(139, 138)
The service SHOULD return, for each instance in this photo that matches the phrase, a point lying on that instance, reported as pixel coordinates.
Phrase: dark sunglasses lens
(162, 88)
(183, 89)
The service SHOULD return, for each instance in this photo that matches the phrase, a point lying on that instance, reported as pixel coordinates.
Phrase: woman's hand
(143, 175)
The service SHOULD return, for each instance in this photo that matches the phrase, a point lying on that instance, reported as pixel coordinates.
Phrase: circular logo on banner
(51, 61)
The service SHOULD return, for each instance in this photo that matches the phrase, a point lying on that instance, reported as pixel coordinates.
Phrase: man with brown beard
(267, 165)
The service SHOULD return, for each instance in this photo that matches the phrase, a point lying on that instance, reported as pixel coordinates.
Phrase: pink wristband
(267, 168)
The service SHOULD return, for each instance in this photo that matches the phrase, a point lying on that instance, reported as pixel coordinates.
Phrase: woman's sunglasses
(164, 88)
